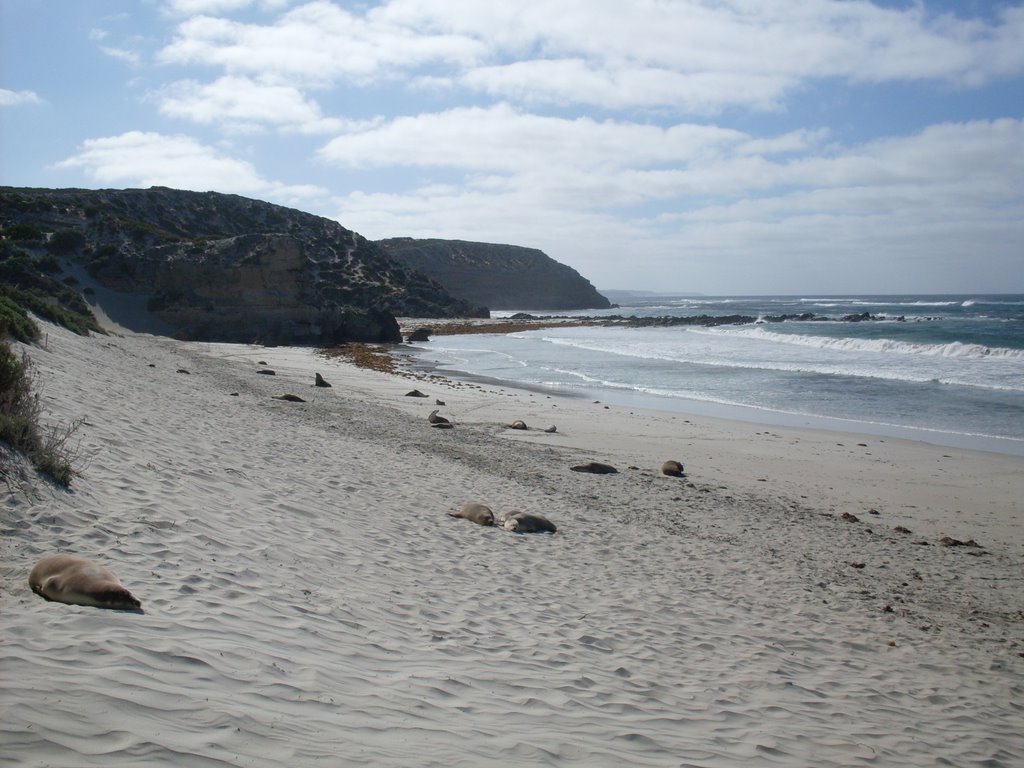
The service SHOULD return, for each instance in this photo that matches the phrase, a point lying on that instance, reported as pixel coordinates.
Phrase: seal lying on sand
(477, 513)
(595, 468)
(517, 424)
(79, 581)
(673, 468)
(524, 522)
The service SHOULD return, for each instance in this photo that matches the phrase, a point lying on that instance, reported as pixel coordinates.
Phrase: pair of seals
(524, 522)
(518, 522)
(80, 581)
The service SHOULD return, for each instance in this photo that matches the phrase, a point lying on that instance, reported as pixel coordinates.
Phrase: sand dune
(308, 601)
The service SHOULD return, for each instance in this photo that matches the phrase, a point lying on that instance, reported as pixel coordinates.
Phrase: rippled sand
(308, 601)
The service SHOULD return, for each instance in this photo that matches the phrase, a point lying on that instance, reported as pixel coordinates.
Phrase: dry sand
(308, 601)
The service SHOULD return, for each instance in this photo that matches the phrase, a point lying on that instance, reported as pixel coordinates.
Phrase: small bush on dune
(19, 407)
(14, 321)
(50, 453)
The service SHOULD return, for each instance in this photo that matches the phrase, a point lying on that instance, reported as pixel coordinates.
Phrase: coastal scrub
(48, 450)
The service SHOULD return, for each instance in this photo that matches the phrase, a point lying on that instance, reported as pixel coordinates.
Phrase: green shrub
(48, 264)
(15, 322)
(66, 241)
(49, 307)
(51, 453)
(23, 232)
(19, 407)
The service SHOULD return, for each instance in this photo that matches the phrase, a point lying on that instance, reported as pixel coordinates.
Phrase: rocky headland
(219, 267)
(497, 276)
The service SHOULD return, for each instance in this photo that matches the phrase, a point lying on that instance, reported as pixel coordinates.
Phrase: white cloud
(689, 55)
(865, 214)
(122, 54)
(501, 138)
(317, 43)
(242, 104)
(702, 56)
(144, 159)
(17, 98)
(197, 7)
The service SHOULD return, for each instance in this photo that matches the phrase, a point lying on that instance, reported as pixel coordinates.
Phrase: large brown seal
(477, 513)
(80, 581)
(524, 522)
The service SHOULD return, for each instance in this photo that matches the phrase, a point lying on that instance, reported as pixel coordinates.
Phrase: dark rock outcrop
(228, 268)
(497, 276)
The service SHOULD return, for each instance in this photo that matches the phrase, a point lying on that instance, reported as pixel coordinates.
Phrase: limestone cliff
(228, 268)
(497, 276)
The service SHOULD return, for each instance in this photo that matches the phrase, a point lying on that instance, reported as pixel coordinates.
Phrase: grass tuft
(50, 452)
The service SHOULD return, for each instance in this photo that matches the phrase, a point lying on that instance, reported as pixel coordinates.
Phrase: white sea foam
(952, 349)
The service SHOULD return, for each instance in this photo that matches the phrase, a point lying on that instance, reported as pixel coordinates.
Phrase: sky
(710, 146)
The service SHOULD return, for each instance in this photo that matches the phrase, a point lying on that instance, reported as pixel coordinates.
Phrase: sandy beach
(308, 601)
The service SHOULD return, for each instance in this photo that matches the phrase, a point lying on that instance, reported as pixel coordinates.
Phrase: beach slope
(307, 600)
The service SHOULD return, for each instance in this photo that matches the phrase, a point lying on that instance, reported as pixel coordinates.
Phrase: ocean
(943, 369)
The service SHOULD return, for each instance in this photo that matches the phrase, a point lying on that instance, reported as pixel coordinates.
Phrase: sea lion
(673, 468)
(477, 513)
(433, 418)
(524, 522)
(80, 581)
(517, 424)
(320, 381)
(289, 397)
(595, 468)
(415, 393)
(551, 430)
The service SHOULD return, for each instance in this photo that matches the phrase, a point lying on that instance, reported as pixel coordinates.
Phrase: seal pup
(433, 418)
(79, 581)
(477, 513)
(673, 468)
(524, 522)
